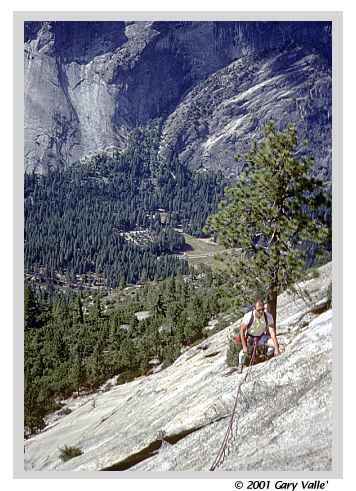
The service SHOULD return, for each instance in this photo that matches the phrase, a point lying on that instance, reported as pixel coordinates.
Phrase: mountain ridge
(89, 85)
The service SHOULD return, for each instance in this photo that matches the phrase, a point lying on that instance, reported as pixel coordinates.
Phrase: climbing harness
(229, 437)
(250, 322)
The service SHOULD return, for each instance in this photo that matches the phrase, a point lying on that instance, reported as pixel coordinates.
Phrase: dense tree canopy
(115, 214)
(76, 341)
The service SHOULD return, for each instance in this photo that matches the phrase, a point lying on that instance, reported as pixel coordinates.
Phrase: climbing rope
(229, 437)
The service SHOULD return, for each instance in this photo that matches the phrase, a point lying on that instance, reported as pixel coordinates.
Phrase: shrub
(170, 354)
(56, 406)
(232, 353)
(68, 453)
(34, 422)
(313, 273)
(127, 376)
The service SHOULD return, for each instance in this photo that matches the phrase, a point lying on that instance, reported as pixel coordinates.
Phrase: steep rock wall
(87, 85)
(176, 419)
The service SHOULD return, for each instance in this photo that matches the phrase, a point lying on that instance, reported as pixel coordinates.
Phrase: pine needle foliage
(272, 215)
(68, 453)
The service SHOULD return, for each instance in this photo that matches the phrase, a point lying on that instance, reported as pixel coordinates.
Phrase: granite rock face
(89, 84)
(175, 420)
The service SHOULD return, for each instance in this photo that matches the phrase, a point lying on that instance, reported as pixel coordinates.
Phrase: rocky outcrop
(176, 419)
(221, 116)
(88, 85)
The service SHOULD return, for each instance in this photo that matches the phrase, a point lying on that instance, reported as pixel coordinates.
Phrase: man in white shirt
(256, 324)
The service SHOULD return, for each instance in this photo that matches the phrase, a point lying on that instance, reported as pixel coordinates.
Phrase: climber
(257, 323)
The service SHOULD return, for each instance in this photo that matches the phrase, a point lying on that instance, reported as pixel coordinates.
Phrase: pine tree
(159, 308)
(31, 307)
(80, 310)
(273, 214)
(34, 412)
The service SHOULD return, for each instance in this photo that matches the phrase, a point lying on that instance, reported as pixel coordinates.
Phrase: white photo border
(337, 280)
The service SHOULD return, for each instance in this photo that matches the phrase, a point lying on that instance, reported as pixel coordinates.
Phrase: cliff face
(87, 85)
(176, 419)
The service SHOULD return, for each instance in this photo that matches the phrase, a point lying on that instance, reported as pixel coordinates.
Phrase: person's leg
(263, 340)
(270, 348)
(267, 343)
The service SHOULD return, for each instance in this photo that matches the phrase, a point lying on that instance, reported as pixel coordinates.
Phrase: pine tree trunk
(272, 305)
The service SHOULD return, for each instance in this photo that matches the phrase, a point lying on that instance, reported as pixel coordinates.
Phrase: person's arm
(243, 328)
(272, 332)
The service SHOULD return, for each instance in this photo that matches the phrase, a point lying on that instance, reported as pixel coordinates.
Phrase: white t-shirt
(258, 326)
